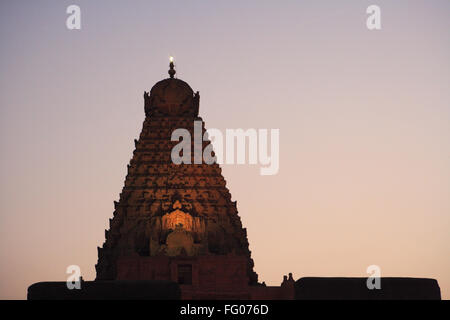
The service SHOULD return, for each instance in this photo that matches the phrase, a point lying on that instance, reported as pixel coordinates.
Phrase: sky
(364, 120)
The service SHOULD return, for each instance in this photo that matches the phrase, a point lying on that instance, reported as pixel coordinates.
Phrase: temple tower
(175, 221)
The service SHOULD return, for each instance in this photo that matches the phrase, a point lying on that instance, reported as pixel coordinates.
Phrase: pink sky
(364, 119)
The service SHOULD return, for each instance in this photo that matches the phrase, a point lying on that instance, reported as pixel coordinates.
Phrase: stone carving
(196, 102)
(177, 218)
(180, 242)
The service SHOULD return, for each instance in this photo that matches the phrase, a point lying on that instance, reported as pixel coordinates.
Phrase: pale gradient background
(364, 119)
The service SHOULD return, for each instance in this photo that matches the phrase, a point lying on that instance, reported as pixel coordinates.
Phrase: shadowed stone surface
(356, 289)
(106, 290)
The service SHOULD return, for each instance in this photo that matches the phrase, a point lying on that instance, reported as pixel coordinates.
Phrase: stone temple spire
(171, 70)
(176, 222)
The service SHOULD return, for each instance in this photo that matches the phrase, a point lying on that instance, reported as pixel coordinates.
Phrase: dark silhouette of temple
(175, 233)
(176, 221)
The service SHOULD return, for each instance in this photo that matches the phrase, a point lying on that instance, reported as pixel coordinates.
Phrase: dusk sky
(364, 120)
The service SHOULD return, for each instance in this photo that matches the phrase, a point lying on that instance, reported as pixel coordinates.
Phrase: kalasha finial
(171, 70)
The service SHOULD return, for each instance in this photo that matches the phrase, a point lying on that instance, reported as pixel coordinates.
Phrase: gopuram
(177, 221)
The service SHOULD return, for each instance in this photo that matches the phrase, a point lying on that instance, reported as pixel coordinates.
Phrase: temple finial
(171, 70)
